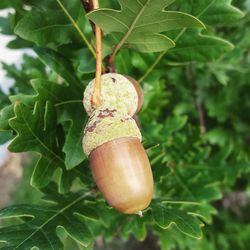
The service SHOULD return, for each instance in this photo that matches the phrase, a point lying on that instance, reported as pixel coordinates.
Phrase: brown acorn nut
(122, 172)
(119, 163)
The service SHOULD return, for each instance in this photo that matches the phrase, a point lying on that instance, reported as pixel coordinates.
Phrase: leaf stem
(96, 97)
(88, 6)
(67, 102)
(151, 68)
(182, 202)
(158, 59)
(76, 27)
(111, 64)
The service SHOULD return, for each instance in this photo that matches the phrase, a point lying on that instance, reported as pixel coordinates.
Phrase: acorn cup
(119, 163)
(118, 91)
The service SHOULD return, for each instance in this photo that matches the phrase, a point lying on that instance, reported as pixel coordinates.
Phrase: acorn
(118, 91)
(139, 92)
(119, 163)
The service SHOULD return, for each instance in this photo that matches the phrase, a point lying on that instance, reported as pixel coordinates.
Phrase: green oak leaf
(135, 226)
(44, 91)
(197, 185)
(5, 27)
(194, 46)
(59, 64)
(5, 136)
(43, 27)
(31, 68)
(36, 131)
(3, 98)
(164, 217)
(49, 27)
(212, 12)
(72, 6)
(40, 224)
(84, 61)
(191, 45)
(69, 108)
(197, 189)
(8, 4)
(76, 116)
(19, 43)
(5, 114)
(138, 24)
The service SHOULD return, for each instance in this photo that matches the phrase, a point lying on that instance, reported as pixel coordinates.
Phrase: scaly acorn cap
(117, 91)
(107, 124)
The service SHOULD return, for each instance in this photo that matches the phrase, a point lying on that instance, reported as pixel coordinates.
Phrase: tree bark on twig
(96, 97)
(88, 6)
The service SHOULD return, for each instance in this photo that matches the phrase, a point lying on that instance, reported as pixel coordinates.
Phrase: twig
(111, 64)
(88, 6)
(197, 102)
(96, 98)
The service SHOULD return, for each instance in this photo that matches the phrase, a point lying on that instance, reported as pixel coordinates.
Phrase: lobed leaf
(39, 226)
(138, 24)
(213, 12)
(187, 224)
(194, 46)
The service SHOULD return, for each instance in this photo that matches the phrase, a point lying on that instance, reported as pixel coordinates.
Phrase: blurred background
(10, 164)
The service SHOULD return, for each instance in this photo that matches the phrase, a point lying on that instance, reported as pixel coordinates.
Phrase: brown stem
(111, 64)
(96, 98)
(197, 102)
(90, 5)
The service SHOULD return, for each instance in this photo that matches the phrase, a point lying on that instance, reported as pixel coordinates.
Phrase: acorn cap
(117, 91)
(107, 124)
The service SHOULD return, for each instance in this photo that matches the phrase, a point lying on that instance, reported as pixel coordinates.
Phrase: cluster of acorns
(112, 142)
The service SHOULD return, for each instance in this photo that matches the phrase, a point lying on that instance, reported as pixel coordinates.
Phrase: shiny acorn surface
(122, 172)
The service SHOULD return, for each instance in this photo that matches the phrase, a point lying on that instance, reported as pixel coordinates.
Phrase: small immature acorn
(118, 91)
(139, 91)
(112, 142)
